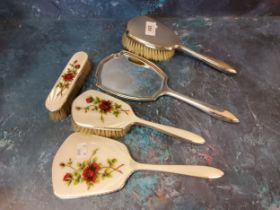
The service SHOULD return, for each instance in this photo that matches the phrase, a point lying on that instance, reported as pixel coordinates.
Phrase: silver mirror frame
(148, 65)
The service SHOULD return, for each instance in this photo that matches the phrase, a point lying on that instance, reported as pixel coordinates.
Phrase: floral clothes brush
(59, 100)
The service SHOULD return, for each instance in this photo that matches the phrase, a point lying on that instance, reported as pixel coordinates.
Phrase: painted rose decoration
(102, 106)
(90, 171)
(68, 77)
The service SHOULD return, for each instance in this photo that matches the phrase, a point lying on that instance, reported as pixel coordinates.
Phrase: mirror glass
(131, 77)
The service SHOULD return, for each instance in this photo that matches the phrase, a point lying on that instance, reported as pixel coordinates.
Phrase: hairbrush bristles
(118, 132)
(144, 51)
(67, 86)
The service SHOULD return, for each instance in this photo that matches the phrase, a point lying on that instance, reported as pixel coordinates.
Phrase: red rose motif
(89, 99)
(90, 172)
(105, 106)
(67, 177)
(68, 77)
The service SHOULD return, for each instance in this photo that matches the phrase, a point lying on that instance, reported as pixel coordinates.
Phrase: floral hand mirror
(88, 165)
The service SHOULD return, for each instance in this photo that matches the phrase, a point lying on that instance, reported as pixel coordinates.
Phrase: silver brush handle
(215, 63)
(212, 110)
(189, 170)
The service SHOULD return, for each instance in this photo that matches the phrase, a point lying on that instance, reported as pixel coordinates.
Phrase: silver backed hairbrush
(153, 40)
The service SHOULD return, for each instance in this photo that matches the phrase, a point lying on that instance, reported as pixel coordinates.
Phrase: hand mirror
(132, 77)
(88, 165)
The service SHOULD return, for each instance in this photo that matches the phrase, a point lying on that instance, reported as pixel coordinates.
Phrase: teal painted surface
(142, 187)
(63, 9)
(32, 55)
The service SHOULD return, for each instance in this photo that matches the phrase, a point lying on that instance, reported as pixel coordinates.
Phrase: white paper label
(150, 28)
(81, 150)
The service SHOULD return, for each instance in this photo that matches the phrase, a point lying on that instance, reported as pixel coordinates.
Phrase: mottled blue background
(126, 9)
(37, 38)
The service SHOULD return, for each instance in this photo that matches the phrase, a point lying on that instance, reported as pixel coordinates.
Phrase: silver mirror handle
(212, 110)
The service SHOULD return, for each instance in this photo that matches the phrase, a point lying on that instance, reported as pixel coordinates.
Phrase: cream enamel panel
(106, 149)
(55, 100)
(92, 119)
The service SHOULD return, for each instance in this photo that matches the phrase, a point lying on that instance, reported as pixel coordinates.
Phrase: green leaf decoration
(67, 78)
(69, 182)
(104, 107)
(69, 162)
(90, 171)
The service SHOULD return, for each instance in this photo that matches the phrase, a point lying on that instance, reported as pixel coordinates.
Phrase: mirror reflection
(130, 77)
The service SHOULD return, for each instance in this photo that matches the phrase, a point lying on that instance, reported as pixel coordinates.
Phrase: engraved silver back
(158, 37)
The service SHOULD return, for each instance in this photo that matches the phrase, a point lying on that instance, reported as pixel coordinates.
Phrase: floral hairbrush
(97, 113)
